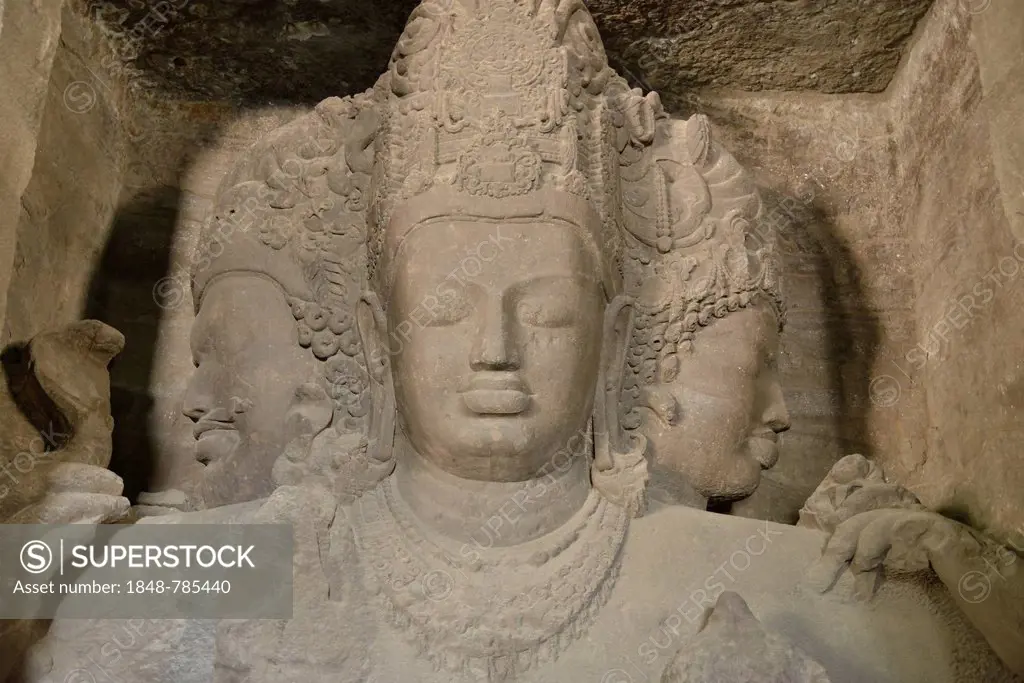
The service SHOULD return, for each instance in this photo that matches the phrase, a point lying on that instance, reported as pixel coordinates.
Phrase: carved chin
(216, 446)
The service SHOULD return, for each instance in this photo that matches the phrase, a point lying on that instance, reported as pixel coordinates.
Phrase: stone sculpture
(274, 341)
(512, 201)
(55, 444)
(57, 428)
(709, 309)
(879, 527)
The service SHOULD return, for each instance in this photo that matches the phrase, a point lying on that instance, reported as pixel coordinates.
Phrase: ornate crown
(497, 109)
(698, 244)
(504, 100)
(292, 209)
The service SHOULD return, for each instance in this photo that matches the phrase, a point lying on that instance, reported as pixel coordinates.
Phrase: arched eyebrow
(385, 276)
(556, 280)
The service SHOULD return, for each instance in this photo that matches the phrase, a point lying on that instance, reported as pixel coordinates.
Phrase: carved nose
(198, 400)
(493, 348)
(776, 417)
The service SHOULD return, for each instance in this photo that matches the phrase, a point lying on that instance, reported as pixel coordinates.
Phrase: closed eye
(552, 301)
(546, 311)
(450, 310)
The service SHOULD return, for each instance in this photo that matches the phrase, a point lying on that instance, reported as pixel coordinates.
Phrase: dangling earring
(619, 470)
(381, 428)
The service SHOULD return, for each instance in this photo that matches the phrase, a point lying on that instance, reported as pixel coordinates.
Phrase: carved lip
(764, 446)
(496, 393)
(205, 425)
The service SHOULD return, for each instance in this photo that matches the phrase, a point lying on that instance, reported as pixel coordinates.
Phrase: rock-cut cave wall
(959, 181)
(908, 217)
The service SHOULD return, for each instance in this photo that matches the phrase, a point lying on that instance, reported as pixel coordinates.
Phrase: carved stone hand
(896, 539)
(881, 527)
(854, 485)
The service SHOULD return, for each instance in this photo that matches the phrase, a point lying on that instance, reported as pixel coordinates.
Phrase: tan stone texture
(29, 33)
(878, 176)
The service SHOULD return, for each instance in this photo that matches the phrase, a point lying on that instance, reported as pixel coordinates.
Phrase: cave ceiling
(299, 51)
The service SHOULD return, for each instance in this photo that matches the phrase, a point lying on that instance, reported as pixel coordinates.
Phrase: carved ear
(620, 468)
(662, 402)
(373, 333)
(309, 414)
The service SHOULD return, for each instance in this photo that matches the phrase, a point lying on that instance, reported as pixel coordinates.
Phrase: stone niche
(881, 138)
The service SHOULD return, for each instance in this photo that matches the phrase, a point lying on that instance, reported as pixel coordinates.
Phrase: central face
(495, 336)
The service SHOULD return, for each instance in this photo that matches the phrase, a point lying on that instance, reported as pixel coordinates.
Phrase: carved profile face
(249, 366)
(495, 338)
(730, 408)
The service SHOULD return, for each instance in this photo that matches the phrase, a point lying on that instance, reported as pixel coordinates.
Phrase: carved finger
(75, 477)
(876, 496)
(839, 551)
(852, 468)
(909, 542)
(874, 542)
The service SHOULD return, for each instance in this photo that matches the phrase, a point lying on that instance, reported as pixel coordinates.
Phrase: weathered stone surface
(655, 606)
(67, 207)
(257, 52)
(883, 346)
(260, 52)
(853, 478)
(880, 256)
(731, 645)
(171, 184)
(825, 45)
(299, 375)
(57, 419)
(964, 356)
(878, 527)
(29, 34)
(848, 280)
(995, 30)
(822, 163)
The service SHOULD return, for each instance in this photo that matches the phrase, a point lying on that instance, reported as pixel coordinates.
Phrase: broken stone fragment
(732, 645)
